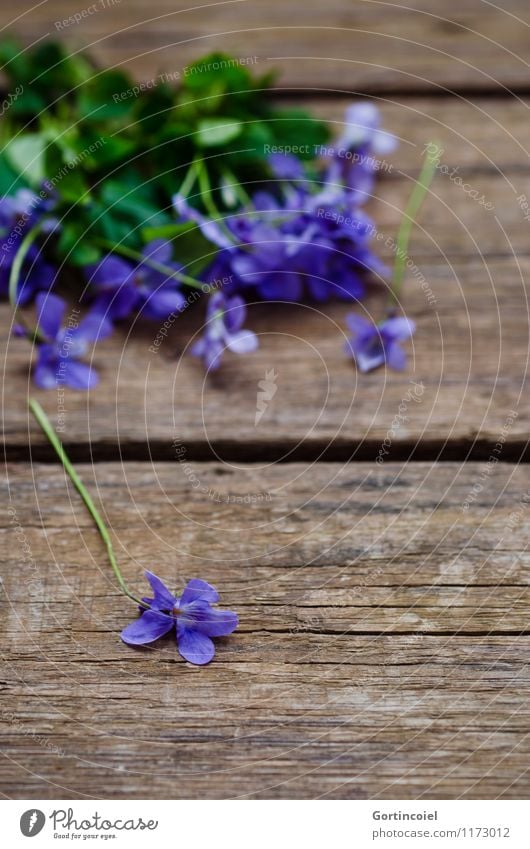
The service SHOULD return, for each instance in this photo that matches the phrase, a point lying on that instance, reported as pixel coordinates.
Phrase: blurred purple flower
(158, 294)
(363, 130)
(211, 229)
(59, 354)
(224, 320)
(19, 331)
(306, 241)
(373, 345)
(120, 287)
(111, 282)
(191, 616)
(355, 156)
(286, 166)
(18, 214)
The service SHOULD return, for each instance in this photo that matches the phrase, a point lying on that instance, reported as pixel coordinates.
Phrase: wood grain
(364, 46)
(384, 637)
(381, 652)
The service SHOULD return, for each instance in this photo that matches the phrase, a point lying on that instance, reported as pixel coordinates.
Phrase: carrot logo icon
(267, 390)
(32, 822)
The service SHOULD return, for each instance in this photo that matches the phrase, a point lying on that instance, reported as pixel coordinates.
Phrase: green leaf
(297, 128)
(255, 136)
(112, 227)
(99, 151)
(73, 188)
(29, 103)
(26, 155)
(213, 132)
(153, 110)
(14, 60)
(136, 204)
(107, 96)
(55, 70)
(10, 180)
(75, 246)
(216, 72)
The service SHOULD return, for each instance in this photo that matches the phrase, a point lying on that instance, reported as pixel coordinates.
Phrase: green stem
(239, 189)
(412, 209)
(206, 190)
(207, 199)
(189, 179)
(157, 266)
(56, 443)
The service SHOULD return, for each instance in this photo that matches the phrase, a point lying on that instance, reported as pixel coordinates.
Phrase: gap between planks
(284, 452)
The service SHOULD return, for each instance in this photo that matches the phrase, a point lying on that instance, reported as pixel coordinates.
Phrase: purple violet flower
(355, 158)
(211, 229)
(31, 208)
(224, 320)
(18, 214)
(121, 287)
(286, 166)
(158, 294)
(373, 345)
(19, 331)
(111, 282)
(305, 241)
(363, 130)
(191, 616)
(58, 356)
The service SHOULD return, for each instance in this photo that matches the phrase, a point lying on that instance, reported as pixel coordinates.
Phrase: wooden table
(384, 640)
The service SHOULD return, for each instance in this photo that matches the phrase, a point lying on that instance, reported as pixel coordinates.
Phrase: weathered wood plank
(296, 703)
(317, 530)
(366, 46)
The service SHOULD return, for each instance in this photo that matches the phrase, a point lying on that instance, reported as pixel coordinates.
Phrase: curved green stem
(432, 159)
(130, 253)
(239, 190)
(207, 199)
(189, 179)
(56, 443)
(206, 190)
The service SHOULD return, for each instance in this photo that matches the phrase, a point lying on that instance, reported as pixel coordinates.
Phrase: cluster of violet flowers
(298, 239)
(301, 239)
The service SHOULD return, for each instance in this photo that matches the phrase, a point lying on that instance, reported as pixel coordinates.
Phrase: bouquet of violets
(127, 204)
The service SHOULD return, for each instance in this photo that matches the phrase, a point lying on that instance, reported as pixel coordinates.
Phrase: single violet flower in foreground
(59, 354)
(224, 320)
(373, 345)
(192, 617)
